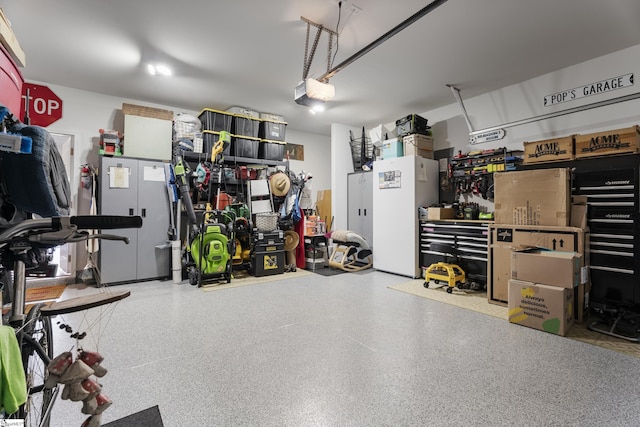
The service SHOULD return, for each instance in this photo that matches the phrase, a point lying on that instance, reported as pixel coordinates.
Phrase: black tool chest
(612, 187)
(267, 253)
(468, 237)
(612, 197)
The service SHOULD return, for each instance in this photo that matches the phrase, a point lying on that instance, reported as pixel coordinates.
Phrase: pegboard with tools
(472, 172)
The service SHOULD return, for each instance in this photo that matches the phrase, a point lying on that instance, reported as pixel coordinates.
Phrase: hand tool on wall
(183, 186)
(223, 140)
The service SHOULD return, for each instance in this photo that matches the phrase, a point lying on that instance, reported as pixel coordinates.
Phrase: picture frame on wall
(294, 151)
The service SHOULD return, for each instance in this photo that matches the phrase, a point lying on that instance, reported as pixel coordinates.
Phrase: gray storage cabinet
(360, 204)
(135, 187)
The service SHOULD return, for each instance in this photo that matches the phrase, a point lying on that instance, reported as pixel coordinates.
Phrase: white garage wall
(317, 159)
(526, 100)
(85, 113)
(519, 102)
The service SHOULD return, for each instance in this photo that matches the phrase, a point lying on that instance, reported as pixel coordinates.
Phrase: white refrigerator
(400, 186)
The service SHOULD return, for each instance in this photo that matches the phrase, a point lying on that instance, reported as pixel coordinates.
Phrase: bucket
(225, 200)
(176, 262)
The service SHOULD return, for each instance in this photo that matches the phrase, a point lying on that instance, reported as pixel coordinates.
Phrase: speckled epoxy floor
(344, 351)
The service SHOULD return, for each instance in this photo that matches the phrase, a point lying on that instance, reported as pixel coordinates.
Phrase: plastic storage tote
(242, 111)
(209, 138)
(215, 120)
(272, 129)
(271, 150)
(244, 146)
(245, 126)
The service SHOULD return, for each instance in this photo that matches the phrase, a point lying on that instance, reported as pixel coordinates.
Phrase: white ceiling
(250, 52)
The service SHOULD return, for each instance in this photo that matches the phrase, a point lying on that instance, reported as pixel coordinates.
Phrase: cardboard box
(618, 141)
(549, 150)
(426, 154)
(581, 298)
(323, 207)
(533, 197)
(392, 148)
(503, 238)
(551, 268)
(546, 308)
(441, 213)
(418, 145)
(578, 212)
(10, 42)
(150, 112)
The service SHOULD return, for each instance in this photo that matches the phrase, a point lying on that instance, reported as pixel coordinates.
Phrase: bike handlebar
(65, 228)
(105, 222)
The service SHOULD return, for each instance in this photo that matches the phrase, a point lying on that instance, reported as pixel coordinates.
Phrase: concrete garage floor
(341, 351)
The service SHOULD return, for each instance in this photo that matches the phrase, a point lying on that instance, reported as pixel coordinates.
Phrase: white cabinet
(360, 204)
(135, 187)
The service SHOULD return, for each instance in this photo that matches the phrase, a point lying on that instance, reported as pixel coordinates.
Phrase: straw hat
(280, 184)
(291, 240)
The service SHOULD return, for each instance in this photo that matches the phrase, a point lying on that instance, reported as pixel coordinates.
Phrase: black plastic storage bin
(413, 123)
(245, 126)
(267, 263)
(244, 146)
(267, 256)
(271, 150)
(272, 130)
(209, 138)
(215, 120)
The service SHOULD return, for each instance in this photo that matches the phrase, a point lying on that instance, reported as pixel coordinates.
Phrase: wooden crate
(10, 42)
(549, 150)
(150, 112)
(618, 141)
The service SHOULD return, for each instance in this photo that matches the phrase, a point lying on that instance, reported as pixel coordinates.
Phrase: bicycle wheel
(36, 343)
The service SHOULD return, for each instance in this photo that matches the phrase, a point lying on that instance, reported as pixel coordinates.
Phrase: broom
(90, 273)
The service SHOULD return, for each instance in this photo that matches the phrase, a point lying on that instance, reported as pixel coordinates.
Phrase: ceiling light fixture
(159, 70)
(316, 108)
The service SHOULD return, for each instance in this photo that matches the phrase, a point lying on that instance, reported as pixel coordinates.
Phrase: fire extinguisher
(85, 177)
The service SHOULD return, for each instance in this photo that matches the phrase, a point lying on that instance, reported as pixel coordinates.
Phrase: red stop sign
(44, 106)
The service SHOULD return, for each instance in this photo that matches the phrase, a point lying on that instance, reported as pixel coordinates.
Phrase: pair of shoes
(290, 268)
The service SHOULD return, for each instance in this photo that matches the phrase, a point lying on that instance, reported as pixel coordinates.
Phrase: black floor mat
(327, 271)
(147, 418)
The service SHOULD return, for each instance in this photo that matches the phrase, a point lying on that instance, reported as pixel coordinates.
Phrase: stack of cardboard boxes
(534, 209)
(414, 139)
(543, 287)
